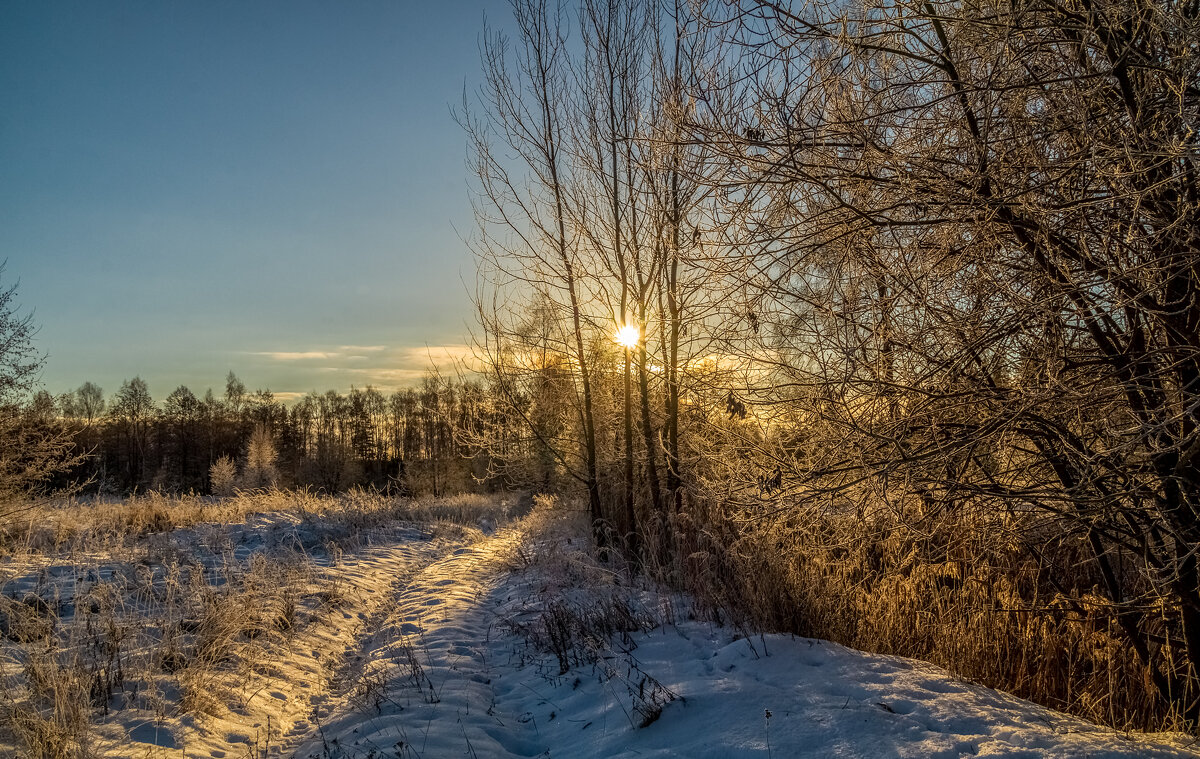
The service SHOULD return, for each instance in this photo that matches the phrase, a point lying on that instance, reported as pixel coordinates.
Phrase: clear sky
(272, 188)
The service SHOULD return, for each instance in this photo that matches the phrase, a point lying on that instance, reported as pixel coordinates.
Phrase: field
(361, 627)
(176, 622)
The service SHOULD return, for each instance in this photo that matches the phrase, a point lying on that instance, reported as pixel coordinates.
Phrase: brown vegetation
(920, 306)
(169, 605)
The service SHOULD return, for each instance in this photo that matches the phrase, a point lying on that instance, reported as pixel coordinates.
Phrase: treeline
(403, 442)
(909, 298)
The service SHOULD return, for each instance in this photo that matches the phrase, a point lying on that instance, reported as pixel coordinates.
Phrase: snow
(267, 694)
(443, 646)
(482, 691)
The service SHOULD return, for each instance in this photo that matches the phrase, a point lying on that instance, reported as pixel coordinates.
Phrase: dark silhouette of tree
(235, 394)
(132, 412)
(181, 419)
(89, 402)
(34, 445)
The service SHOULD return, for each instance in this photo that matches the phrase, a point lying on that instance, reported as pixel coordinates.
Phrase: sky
(276, 189)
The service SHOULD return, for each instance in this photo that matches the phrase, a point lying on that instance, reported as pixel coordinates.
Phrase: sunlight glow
(628, 336)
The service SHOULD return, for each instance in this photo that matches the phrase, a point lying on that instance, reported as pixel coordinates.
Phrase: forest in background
(399, 443)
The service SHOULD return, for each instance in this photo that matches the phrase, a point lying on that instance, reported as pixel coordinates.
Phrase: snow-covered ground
(465, 665)
(428, 643)
(214, 640)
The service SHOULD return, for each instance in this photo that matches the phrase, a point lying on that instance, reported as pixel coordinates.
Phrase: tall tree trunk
(649, 438)
(630, 516)
(671, 351)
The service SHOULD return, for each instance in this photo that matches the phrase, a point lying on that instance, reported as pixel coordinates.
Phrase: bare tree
(969, 233)
(524, 98)
(89, 400)
(34, 445)
(606, 193)
(132, 410)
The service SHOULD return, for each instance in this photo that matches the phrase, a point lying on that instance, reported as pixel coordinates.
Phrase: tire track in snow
(412, 651)
(319, 664)
(375, 579)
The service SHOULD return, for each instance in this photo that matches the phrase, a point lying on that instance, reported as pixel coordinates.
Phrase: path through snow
(318, 665)
(443, 675)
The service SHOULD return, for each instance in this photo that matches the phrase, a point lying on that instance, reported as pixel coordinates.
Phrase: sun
(628, 336)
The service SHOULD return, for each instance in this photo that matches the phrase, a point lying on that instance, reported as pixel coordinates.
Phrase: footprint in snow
(902, 706)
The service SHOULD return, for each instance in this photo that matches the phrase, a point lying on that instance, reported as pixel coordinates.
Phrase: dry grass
(103, 611)
(140, 630)
(580, 614)
(73, 523)
(961, 590)
(352, 517)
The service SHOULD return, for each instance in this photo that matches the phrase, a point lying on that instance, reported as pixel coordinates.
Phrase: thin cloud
(385, 367)
(296, 355)
(435, 354)
(361, 348)
(388, 376)
(343, 369)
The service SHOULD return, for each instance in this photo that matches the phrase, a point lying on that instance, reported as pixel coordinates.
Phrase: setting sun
(628, 336)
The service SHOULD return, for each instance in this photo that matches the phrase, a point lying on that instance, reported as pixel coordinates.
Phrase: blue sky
(270, 188)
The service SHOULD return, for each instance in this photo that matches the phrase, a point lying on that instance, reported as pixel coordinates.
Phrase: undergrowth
(580, 615)
(976, 591)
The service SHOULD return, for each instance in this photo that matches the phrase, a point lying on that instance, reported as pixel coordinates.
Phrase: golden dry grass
(961, 590)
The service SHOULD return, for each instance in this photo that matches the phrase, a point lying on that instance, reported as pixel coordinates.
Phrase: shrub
(222, 476)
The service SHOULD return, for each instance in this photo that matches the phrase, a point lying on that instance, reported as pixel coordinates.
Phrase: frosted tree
(260, 459)
(222, 476)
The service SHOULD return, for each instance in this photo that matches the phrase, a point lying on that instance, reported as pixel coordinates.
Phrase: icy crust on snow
(447, 676)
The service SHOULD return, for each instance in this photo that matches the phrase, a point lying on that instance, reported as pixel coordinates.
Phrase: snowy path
(426, 674)
(416, 655)
(442, 676)
(383, 581)
(320, 665)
